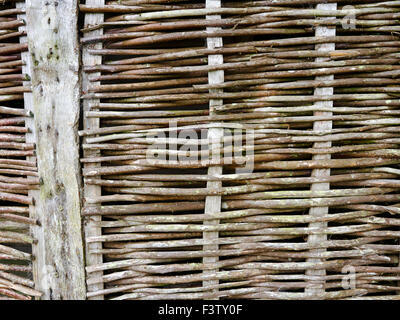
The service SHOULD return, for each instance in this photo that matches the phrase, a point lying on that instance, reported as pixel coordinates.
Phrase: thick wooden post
(54, 53)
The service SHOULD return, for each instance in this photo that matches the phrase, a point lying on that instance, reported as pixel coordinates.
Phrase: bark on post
(54, 53)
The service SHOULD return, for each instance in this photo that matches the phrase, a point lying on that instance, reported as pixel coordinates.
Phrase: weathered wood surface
(323, 31)
(54, 53)
(31, 138)
(213, 203)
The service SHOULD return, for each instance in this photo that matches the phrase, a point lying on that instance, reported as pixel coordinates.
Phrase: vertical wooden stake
(31, 138)
(318, 287)
(54, 52)
(91, 230)
(213, 203)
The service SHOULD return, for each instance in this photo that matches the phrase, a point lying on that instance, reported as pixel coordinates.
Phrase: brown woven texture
(313, 85)
(18, 172)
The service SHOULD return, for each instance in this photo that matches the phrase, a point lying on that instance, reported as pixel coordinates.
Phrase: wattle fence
(18, 171)
(228, 150)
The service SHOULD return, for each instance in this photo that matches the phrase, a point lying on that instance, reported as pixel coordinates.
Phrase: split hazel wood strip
(30, 140)
(321, 173)
(90, 228)
(213, 203)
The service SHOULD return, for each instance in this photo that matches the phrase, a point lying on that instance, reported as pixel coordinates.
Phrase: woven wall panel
(306, 206)
(18, 172)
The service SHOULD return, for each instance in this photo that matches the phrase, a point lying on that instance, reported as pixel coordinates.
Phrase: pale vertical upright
(215, 135)
(54, 51)
(90, 227)
(39, 280)
(315, 239)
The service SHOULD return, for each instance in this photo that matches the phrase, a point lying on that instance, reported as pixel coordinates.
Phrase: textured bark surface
(54, 54)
